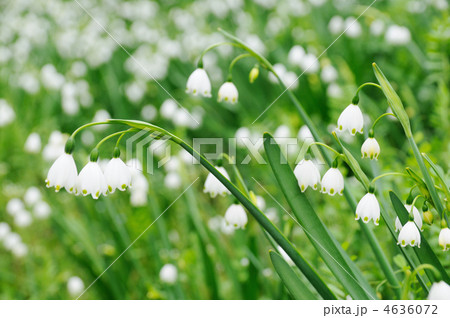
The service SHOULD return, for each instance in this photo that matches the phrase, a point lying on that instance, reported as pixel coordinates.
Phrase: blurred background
(59, 69)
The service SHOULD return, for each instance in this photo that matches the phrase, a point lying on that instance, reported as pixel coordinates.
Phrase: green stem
(413, 275)
(122, 133)
(233, 62)
(276, 234)
(387, 174)
(378, 119)
(237, 173)
(86, 126)
(209, 48)
(325, 146)
(367, 84)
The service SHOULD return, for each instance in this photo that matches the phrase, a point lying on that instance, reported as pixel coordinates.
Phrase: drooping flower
(307, 175)
(333, 182)
(370, 148)
(117, 175)
(444, 239)
(92, 181)
(236, 216)
(199, 83)
(417, 218)
(75, 286)
(351, 119)
(368, 209)
(168, 274)
(439, 291)
(228, 93)
(409, 235)
(213, 186)
(62, 174)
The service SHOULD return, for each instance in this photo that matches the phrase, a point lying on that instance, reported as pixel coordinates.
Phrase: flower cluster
(92, 180)
(308, 175)
(198, 83)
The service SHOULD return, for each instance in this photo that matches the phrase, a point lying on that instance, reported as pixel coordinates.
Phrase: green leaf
(290, 279)
(326, 245)
(424, 253)
(438, 172)
(394, 100)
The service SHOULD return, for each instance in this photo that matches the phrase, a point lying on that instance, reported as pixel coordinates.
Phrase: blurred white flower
(352, 27)
(168, 274)
(328, 74)
(439, 291)
(19, 250)
(172, 180)
(351, 119)
(236, 216)
(198, 83)
(148, 112)
(23, 219)
(11, 240)
(333, 182)
(32, 196)
(75, 286)
(5, 229)
(368, 209)
(33, 143)
(41, 210)
(50, 77)
(336, 24)
(310, 63)
(29, 83)
(168, 108)
(228, 93)
(370, 148)
(280, 69)
(260, 202)
(444, 239)
(397, 35)
(296, 54)
(242, 133)
(135, 91)
(7, 114)
(334, 91)
(213, 185)
(409, 235)
(304, 134)
(182, 118)
(117, 175)
(101, 115)
(55, 146)
(377, 27)
(78, 69)
(62, 174)
(14, 206)
(307, 175)
(92, 181)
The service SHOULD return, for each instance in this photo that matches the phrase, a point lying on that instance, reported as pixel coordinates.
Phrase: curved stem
(233, 62)
(381, 116)
(209, 48)
(389, 174)
(325, 146)
(367, 84)
(86, 126)
(413, 275)
(122, 133)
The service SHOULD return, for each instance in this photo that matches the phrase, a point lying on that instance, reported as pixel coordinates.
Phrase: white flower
(368, 209)
(92, 181)
(5, 229)
(23, 219)
(41, 210)
(33, 143)
(172, 180)
(149, 112)
(307, 175)
(213, 185)
(439, 291)
(409, 235)
(168, 108)
(11, 240)
(32, 196)
(228, 93)
(236, 216)
(417, 218)
(333, 182)
(329, 74)
(168, 274)
(117, 175)
(62, 174)
(351, 119)
(7, 114)
(19, 250)
(198, 83)
(444, 239)
(352, 28)
(397, 35)
(336, 24)
(370, 148)
(75, 286)
(14, 206)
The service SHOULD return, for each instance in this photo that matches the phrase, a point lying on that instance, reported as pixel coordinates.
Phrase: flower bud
(427, 214)
(254, 73)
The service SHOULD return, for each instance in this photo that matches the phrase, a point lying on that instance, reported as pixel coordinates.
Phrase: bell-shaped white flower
(199, 83)
(409, 235)
(351, 119)
(439, 291)
(417, 218)
(92, 181)
(236, 216)
(62, 174)
(117, 175)
(228, 93)
(333, 182)
(368, 209)
(213, 186)
(307, 175)
(444, 239)
(370, 148)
